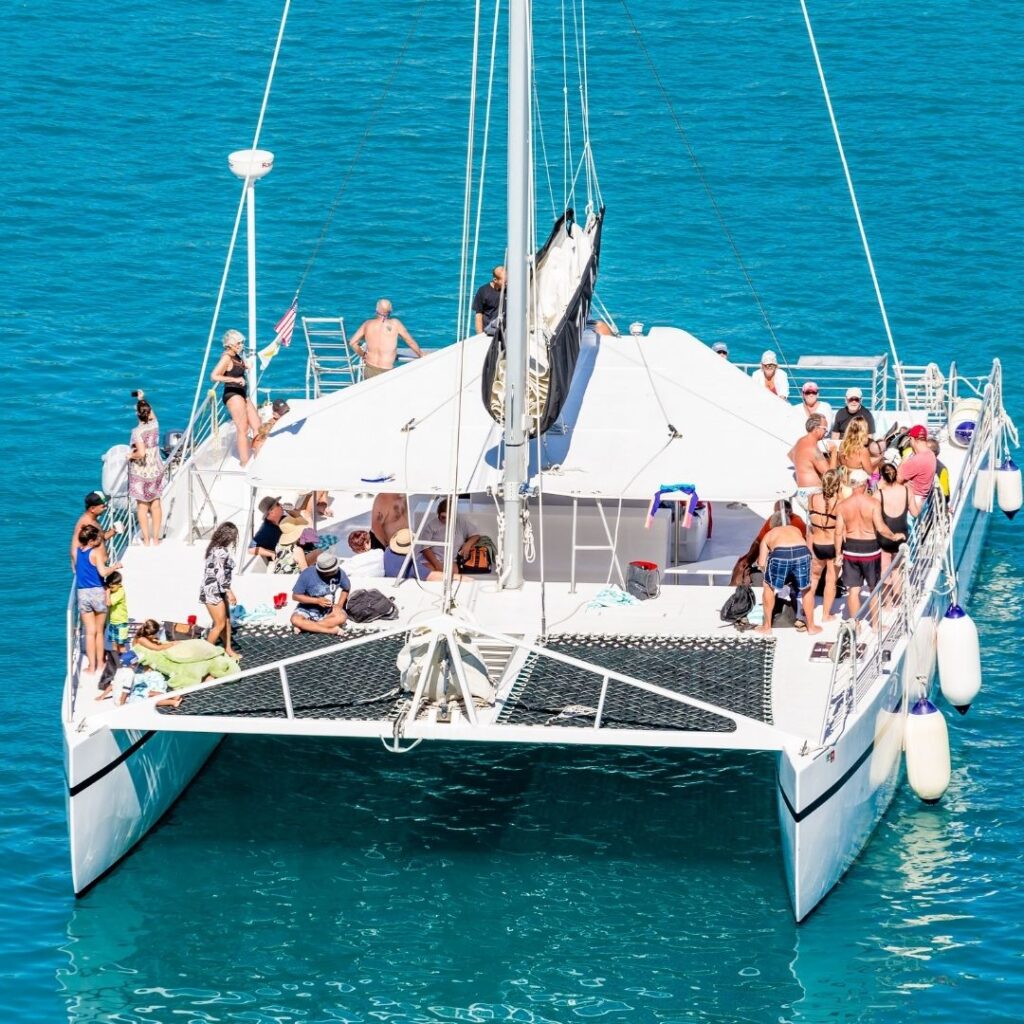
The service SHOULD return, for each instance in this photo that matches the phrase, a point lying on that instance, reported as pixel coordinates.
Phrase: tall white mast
(517, 278)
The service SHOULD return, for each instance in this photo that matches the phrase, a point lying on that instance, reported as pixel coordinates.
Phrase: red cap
(918, 433)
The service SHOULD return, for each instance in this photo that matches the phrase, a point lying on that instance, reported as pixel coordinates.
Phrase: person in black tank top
(230, 372)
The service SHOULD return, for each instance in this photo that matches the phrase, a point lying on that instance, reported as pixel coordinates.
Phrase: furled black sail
(565, 277)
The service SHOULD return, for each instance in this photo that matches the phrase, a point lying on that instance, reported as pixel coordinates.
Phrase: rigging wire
(702, 176)
(897, 368)
(238, 220)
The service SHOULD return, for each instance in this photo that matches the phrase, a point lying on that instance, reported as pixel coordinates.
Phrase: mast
(516, 436)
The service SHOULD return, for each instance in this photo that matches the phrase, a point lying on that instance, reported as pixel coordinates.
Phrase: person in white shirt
(364, 560)
(810, 406)
(466, 535)
(769, 376)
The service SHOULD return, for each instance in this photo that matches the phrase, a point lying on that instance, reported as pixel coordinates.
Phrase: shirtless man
(95, 506)
(380, 347)
(389, 515)
(809, 465)
(786, 558)
(859, 524)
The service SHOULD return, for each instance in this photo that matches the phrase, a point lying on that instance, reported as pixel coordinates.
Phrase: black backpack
(739, 605)
(370, 605)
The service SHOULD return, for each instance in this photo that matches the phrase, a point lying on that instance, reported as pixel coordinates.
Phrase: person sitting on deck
(418, 566)
(809, 464)
(266, 539)
(466, 535)
(769, 376)
(365, 560)
(312, 505)
(321, 592)
(721, 349)
(859, 524)
(812, 406)
(278, 409)
(853, 409)
(918, 471)
(787, 560)
(142, 682)
(380, 349)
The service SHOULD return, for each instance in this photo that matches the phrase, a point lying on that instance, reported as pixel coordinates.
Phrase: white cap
(720, 346)
(854, 393)
(768, 358)
(858, 477)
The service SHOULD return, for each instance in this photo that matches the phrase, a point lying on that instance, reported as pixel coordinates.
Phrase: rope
(452, 509)
(897, 369)
(238, 220)
(705, 183)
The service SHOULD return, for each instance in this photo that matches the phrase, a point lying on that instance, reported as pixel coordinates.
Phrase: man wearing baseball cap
(854, 408)
(720, 348)
(918, 471)
(769, 376)
(859, 524)
(95, 505)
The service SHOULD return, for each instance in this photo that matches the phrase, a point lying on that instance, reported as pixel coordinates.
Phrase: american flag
(284, 327)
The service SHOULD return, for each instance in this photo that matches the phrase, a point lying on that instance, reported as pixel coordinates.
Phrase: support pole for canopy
(516, 353)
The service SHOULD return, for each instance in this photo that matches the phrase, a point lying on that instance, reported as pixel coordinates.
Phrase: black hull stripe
(799, 816)
(108, 768)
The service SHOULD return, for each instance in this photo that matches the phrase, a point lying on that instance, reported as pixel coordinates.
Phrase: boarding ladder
(330, 365)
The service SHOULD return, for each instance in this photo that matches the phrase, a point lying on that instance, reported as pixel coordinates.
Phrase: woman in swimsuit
(853, 449)
(822, 513)
(230, 371)
(895, 501)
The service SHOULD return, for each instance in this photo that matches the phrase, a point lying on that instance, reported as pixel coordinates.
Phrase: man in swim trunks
(809, 464)
(786, 559)
(380, 341)
(859, 524)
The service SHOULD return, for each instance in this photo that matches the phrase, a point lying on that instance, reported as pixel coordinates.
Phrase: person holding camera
(146, 471)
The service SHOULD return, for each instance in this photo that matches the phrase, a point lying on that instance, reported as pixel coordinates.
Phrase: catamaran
(591, 457)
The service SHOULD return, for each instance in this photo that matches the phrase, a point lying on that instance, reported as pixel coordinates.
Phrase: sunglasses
(810, 392)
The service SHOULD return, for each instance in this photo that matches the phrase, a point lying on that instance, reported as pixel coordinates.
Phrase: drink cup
(119, 527)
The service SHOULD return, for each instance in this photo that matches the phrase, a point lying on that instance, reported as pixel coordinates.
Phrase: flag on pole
(284, 327)
(268, 353)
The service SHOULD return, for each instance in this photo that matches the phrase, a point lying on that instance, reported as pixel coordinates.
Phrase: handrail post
(600, 702)
(289, 711)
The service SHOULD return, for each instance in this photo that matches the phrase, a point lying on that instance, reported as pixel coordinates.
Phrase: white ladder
(330, 365)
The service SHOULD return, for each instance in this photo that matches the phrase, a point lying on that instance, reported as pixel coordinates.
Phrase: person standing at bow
(146, 472)
(230, 371)
(487, 302)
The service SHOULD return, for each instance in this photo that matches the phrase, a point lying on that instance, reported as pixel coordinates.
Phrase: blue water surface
(313, 881)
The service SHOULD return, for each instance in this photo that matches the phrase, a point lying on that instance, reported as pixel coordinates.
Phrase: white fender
(115, 472)
(984, 490)
(1008, 488)
(959, 656)
(921, 653)
(927, 742)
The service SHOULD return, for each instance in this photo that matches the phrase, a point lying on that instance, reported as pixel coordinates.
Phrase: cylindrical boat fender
(963, 421)
(1008, 488)
(984, 489)
(115, 473)
(959, 658)
(927, 743)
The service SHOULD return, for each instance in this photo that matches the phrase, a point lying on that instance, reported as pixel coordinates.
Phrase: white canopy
(729, 436)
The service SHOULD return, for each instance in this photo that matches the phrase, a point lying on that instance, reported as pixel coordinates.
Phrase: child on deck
(139, 682)
(117, 613)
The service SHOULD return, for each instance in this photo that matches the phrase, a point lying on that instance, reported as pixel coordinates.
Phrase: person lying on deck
(183, 662)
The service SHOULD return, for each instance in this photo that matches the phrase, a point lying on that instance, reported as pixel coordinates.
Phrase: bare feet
(811, 628)
(764, 629)
(828, 618)
(106, 694)
(170, 702)
(232, 654)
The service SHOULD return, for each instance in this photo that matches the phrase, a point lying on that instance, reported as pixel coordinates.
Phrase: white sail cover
(729, 436)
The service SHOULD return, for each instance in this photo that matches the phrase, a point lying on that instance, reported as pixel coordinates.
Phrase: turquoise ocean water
(312, 881)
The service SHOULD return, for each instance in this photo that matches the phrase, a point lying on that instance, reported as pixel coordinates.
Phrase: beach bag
(643, 580)
(370, 606)
(479, 560)
(738, 605)
(181, 631)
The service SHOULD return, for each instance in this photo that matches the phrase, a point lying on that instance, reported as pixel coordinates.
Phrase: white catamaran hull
(830, 804)
(120, 783)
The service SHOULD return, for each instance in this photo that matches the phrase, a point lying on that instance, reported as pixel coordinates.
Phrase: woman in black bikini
(895, 501)
(821, 512)
(230, 371)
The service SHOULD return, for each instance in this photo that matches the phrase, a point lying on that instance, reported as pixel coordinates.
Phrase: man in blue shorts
(786, 558)
(321, 592)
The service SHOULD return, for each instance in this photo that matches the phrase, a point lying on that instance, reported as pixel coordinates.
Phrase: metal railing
(834, 375)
